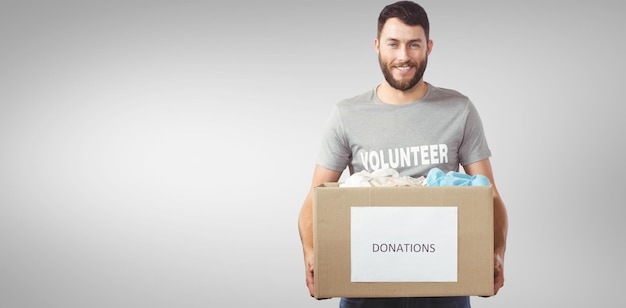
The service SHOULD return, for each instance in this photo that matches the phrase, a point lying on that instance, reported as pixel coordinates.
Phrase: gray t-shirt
(442, 129)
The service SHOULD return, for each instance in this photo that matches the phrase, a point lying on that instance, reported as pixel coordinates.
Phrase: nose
(402, 54)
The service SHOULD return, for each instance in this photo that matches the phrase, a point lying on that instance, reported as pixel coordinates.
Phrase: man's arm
(305, 221)
(500, 220)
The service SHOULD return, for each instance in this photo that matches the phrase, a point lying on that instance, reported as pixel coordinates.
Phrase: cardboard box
(341, 218)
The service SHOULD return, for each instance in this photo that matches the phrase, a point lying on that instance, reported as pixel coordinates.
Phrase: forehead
(394, 28)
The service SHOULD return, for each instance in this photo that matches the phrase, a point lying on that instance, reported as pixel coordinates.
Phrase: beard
(400, 84)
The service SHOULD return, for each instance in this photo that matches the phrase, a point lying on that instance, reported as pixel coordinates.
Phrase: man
(404, 112)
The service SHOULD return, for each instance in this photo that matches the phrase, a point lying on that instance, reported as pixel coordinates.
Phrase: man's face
(402, 53)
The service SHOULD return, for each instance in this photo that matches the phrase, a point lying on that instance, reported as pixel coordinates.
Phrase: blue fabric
(436, 177)
(407, 302)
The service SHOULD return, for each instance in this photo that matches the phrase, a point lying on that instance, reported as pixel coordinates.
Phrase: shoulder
(364, 98)
(445, 94)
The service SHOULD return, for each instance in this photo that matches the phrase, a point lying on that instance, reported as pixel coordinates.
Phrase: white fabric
(381, 178)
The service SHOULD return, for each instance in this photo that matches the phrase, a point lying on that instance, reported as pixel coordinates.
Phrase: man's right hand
(308, 267)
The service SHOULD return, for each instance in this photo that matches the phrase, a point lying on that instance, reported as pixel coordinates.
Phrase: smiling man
(403, 55)
(410, 125)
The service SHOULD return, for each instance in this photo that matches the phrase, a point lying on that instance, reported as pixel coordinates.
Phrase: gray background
(156, 153)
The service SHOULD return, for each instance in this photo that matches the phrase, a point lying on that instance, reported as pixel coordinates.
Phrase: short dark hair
(408, 12)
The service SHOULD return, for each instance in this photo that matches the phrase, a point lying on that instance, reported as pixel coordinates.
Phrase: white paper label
(404, 244)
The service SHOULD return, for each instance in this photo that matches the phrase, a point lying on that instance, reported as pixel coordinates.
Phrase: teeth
(404, 68)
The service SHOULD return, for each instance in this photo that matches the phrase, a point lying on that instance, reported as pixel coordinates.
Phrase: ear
(430, 47)
(377, 45)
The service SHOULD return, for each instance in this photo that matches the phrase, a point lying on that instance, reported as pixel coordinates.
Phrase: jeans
(407, 302)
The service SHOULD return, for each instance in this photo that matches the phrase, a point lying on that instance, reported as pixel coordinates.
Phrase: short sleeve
(474, 146)
(335, 152)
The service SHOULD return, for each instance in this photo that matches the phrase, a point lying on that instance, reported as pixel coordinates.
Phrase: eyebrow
(417, 40)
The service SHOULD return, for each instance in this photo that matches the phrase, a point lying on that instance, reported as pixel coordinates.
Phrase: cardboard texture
(331, 230)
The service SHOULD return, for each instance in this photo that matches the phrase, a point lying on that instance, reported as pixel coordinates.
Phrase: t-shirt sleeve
(335, 152)
(474, 146)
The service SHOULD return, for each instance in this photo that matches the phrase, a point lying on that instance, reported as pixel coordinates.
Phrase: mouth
(403, 68)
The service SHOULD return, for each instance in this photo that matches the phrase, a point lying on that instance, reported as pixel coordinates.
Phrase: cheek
(418, 54)
(382, 59)
(385, 57)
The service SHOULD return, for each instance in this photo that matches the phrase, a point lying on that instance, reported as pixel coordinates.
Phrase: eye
(393, 45)
(415, 45)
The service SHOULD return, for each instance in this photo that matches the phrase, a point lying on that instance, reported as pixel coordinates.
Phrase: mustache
(404, 63)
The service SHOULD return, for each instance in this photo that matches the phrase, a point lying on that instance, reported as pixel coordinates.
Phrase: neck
(390, 95)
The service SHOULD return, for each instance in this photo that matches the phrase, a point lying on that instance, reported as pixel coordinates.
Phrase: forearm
(500, 220)
(501, 225)
(305, 220)
(305, 225)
